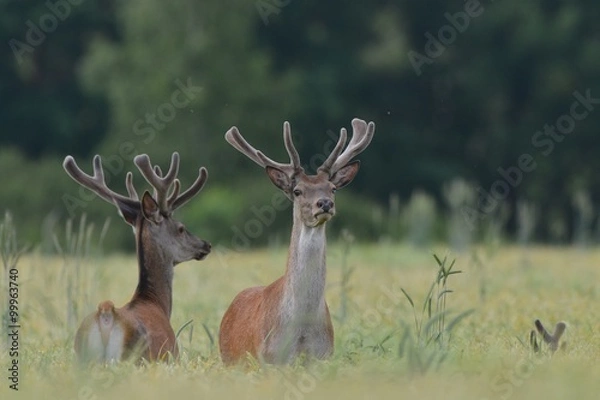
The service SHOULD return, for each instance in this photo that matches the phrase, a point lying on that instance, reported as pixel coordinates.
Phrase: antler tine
(96, 183)
(362, 134)
(335, 153)
(559, 330)
(130, 188)
(289, 146)
(153, 176)
(159, 173)
(533, 342)
(174, 192)
(546, 336)
(551, 339)
(235, 138)
(178, 201)
(173, 168)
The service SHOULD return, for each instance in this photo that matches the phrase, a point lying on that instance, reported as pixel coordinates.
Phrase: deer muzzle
(203, 251)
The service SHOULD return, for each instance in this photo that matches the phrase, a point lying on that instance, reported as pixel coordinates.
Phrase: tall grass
(10, 253)
(459, 195)
(420, 215)
(76, 248)
(379, 352)
(526, 222)
(584, 218)
(425, 346)
(345, 275)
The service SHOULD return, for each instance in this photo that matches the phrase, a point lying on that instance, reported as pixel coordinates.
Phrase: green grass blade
(404, 341)
(433, 320)
(458, 318)
(182, 328)
(410, 300)
(210, 336)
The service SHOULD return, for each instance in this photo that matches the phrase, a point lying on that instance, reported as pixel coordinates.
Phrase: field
(486, 355)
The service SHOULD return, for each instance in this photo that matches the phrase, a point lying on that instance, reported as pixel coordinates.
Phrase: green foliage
(584, 217)
(106, 80)
(420, 217)
(45, 111)
(526, 221)
(214, 212)
(462, 226)
(31, 192)
(360, 215)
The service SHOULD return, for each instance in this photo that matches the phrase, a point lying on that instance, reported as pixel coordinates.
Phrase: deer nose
(325, 204)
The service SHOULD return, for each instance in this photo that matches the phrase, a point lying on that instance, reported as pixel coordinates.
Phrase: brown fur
(141, 328)
(252, 323)
(250, 320)
(290, 317)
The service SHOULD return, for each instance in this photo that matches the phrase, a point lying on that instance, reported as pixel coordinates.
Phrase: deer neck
(304, 287)
(155, 283)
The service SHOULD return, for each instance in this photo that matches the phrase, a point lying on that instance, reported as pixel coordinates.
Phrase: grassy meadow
(378, 354)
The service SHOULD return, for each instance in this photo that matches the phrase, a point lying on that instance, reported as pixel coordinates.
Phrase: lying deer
(142, 326)
(289, 317)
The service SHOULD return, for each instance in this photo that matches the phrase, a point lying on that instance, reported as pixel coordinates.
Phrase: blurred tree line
(477, 90)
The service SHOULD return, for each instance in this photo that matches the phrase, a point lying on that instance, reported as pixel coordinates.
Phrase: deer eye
(297, 192)
(180, 229)
(333, 190)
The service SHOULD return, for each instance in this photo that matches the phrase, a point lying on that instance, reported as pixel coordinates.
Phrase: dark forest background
(487, 112)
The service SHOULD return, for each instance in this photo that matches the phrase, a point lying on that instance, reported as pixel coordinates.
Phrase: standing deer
(289, 317)
(162, 242)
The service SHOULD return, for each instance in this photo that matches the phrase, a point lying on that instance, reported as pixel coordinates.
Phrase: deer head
(153, 212)
(313, 195)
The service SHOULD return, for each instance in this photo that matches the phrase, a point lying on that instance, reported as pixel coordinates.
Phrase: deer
(289, 318)
(142, 328)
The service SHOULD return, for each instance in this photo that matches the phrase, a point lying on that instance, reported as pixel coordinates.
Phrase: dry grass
(488, 354)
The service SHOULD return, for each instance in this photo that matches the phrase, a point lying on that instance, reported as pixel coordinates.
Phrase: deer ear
(279, 178)
(345, 174)
(150, 209)
(128, 212)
